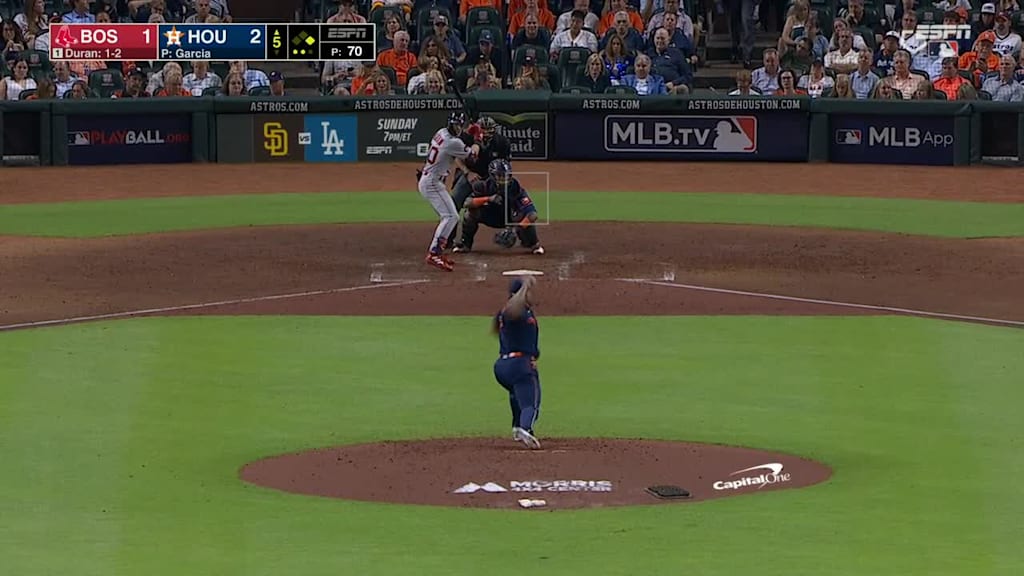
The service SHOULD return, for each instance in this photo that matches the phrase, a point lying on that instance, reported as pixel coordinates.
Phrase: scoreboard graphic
(257, 42)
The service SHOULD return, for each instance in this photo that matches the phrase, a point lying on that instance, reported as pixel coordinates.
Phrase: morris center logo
(537, 486)
(772, 474)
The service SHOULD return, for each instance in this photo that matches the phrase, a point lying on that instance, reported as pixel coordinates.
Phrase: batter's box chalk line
(382, 272)
(824, 302)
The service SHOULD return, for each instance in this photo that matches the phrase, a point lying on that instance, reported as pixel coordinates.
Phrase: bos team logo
(332, 138)
(685, 134)
(770, 473)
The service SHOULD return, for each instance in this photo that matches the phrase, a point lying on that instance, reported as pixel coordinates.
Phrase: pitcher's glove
(506, 238)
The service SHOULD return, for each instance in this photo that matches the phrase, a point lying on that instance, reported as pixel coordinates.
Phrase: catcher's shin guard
(528, 236)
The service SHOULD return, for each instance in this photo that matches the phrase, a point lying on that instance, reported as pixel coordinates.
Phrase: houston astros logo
(174, 36)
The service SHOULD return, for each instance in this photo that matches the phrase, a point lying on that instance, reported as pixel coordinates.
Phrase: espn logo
(849, 137)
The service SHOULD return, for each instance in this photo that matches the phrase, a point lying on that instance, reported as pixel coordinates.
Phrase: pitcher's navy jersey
(520, 335)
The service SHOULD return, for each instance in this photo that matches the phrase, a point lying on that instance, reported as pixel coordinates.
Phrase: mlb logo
(848, 137)
(78, 139)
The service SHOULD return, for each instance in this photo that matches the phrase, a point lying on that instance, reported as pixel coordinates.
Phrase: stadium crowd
(827, 48)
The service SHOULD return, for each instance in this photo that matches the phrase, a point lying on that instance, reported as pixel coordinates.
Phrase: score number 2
(255, 36)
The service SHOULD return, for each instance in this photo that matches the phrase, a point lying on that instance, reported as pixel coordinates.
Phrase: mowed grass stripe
(121, 217)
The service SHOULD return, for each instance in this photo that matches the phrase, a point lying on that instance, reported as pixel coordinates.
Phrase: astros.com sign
(773, 475)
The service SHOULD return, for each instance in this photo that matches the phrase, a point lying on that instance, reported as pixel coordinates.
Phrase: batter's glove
(419, 175)
(506, 238)
(475, 131)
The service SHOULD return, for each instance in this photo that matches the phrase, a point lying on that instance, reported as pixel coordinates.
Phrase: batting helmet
(456, 121)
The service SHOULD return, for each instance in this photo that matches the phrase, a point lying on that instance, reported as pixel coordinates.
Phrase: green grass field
(120, 441)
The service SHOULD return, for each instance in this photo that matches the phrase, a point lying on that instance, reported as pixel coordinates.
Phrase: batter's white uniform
(444, 146)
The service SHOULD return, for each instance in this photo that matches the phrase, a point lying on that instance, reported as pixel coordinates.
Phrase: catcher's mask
(489, 127)
(500, 170)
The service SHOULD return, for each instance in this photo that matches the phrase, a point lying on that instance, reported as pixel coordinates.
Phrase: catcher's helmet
(489, 127)
(500, 170)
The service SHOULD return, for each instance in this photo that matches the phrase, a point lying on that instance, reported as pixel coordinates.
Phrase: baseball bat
(470, 114)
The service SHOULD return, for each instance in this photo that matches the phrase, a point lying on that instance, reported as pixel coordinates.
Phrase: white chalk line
(837, 303)
(161, 310)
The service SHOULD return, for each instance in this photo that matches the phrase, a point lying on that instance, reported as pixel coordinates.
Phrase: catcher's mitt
(506, 238)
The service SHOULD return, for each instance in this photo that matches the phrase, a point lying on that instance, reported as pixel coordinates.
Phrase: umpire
(492, 147)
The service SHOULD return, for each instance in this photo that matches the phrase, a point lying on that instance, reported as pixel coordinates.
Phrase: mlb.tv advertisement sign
(892, 139)
(129, 139)
(763, 133)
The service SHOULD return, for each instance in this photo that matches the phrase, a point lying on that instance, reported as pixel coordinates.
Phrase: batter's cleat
(527, 438)
(461, 249)
(539, 250)
(438, 261)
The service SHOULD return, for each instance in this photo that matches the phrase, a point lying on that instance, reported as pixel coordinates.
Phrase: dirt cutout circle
(565, 474)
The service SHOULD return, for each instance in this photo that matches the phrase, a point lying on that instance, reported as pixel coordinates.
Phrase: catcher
(492, 147)
(500, 202)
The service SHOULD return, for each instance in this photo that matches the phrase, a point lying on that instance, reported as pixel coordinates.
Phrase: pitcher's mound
(566, 473)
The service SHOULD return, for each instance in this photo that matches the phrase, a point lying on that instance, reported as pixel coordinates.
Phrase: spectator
(156, 18)
(432, 49)
(884, 91)
(42, 42)
(200, 78)
(524, 83)
(531, 71)
(816, 82)
(590, 20)
(103, 16)
(79, 14)
(886, 52)
(79, 90)
(156, 80)
(819, 42)
(13, 41)
(12, 86)
(982, 59)
(219, 8)
(676, 38)
(950, 80)
(82, 68)
(966, 92)
(902, 7)
(795, 26)
(202, 14)
(915, 44)
(800, 59)
(134, 86)
(33, 22)
(766, 78)
(251, 76)
(142, 11)
(451, 40)
(857, 18)
(744, 84)
(482, 73)
(838, 27)
(426, 64)
(842, 88)
(430, 82)
(531, 34)
(924, 91)
(234, 84)
(642, 80)
(466, 5)
(44, 91)
(485, 50)
(786, 85)
(337, 75)
(1005, 6)
(532, 8)
(346, 14)
(392, 25)
(1003, 87)
(844, 58)
(607, 22)
(902, 81)
(1007, 42)
(595, 75)
(683, 22)
(403, 6)
(575, 35)
(633, 40)
(987, 21)
(863, 80)
(955, 17)
(63, 80)
(173, 86)
(399, 58)
(670, 64)
(277, 84)
(367, 71)
(615, 59)
(942, 51)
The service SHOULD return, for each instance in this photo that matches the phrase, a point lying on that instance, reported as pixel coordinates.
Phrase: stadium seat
(825, 15)
(106, 82)
(483, 16)
(555, 78)
(259, 91)
(868, 35)
(620, 90)
(211, 91)
(540, 57)
(221, 69)
(462, 76)
(930, 15)
(497, 31)
(380, 14)
(570, 59)
(425, 21)
(982, 95)
(940, 95)
(576, 90)
(38, 63)
(1017, 21)
(391, 74)
(25, 94)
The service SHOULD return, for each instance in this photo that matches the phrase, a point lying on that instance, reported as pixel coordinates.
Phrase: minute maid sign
(527, 133)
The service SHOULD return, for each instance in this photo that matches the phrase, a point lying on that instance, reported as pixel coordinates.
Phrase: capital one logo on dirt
(537, 486)
(773, 475)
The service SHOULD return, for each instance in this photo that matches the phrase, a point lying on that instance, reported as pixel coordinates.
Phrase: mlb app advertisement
(129, 139)
(777, 136)
(919, 140)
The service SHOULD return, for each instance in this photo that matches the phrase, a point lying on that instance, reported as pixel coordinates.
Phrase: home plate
(522, 273)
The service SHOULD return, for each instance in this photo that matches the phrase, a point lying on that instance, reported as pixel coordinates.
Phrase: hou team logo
(773, 475)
